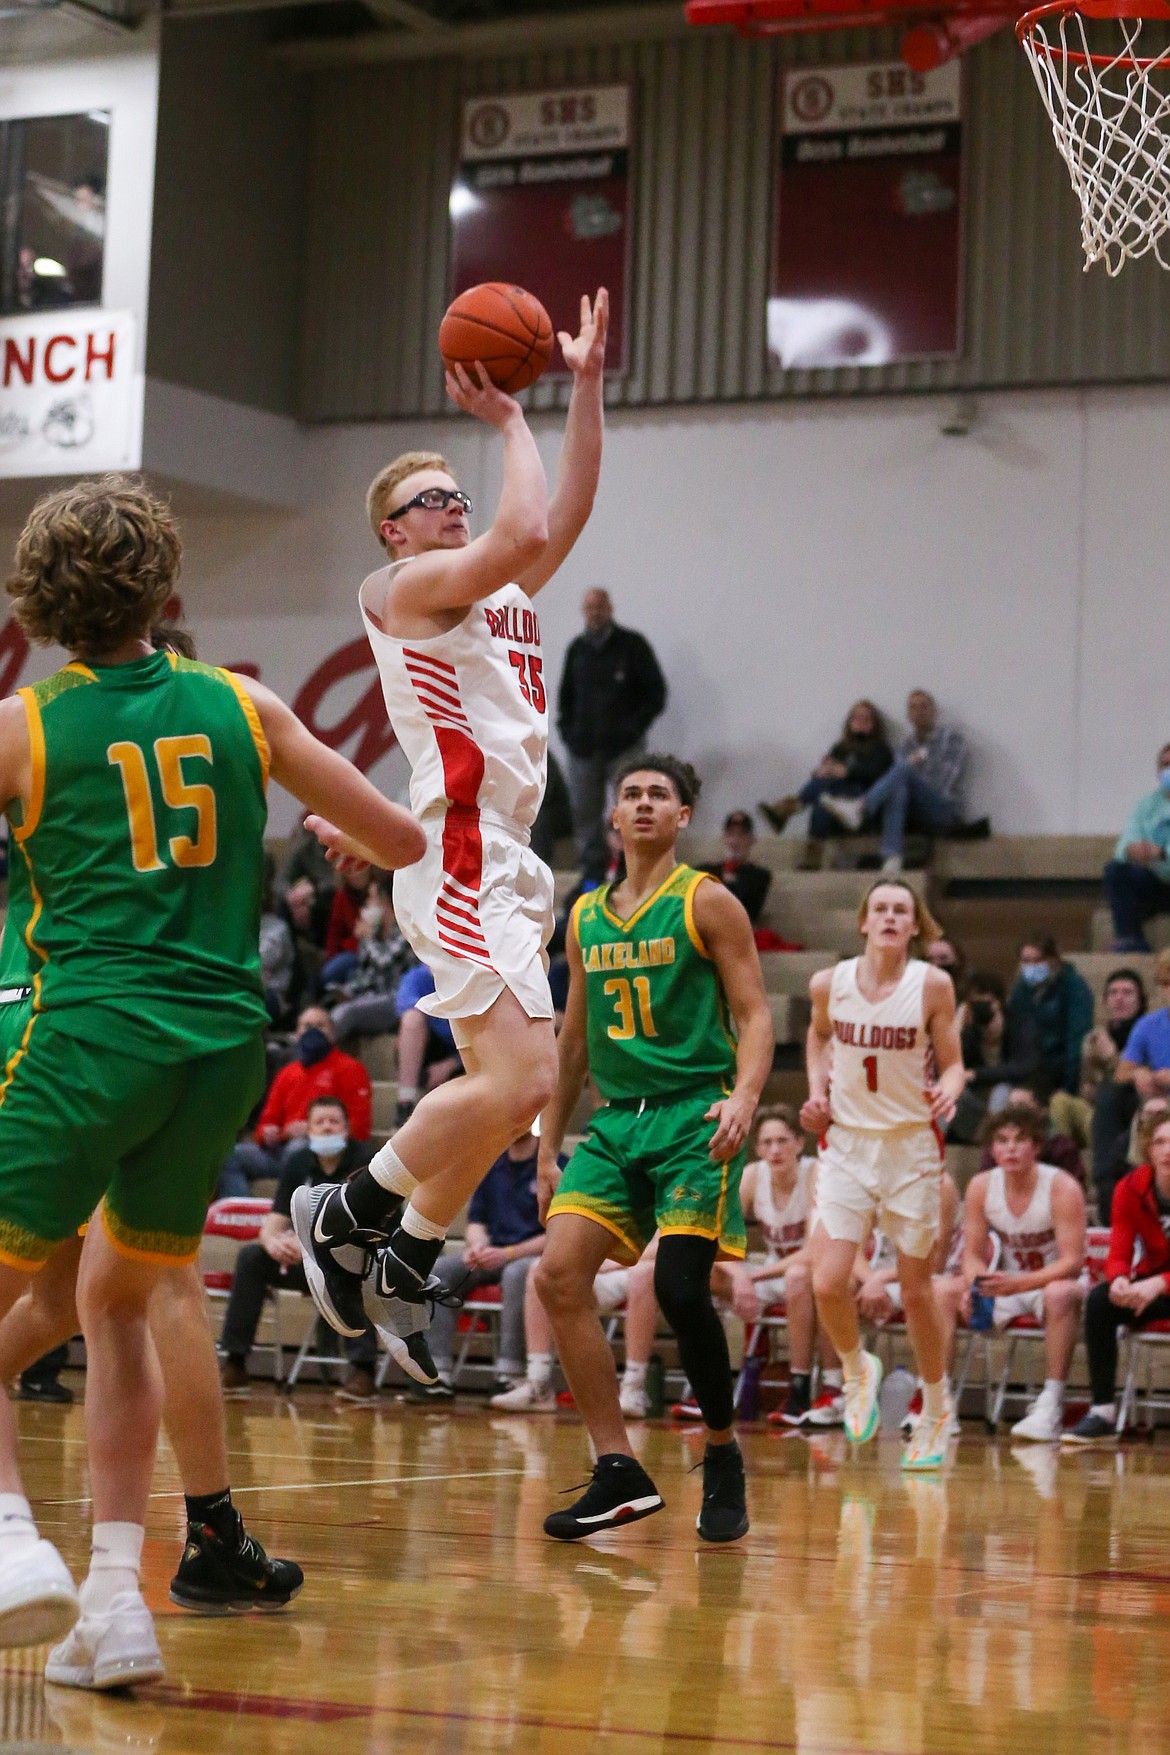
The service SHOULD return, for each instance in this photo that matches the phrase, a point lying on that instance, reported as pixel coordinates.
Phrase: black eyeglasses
(435, 500)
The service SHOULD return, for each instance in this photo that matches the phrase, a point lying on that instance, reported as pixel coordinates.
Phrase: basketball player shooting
(458, 648)
(882, 1023)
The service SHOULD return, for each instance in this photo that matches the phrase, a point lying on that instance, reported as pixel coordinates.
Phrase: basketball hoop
(1109, 104)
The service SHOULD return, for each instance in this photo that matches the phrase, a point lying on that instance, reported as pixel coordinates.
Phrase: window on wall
(52, 211)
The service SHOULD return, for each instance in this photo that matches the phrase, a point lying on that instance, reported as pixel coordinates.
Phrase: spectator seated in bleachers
(999, 1051)
(1037, 1214)
(307, 859)
(860, 756)
(341, 935)
(747, 882)
(325, 1154)
(1051, 997)
(1137, 878)
(614, 1287)
(301, 910)
(944, 953)
(319, 1070)
(778, 1194)
(1142, 1072)
(921, 793)
(1123, 1003)
(504, 1237)
(427, 1055)
(366, 1005)
(1136, 1288)
(278, 955)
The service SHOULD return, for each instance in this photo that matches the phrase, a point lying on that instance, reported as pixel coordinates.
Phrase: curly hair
(1026, 1118)
(95, 565)
(681, 775)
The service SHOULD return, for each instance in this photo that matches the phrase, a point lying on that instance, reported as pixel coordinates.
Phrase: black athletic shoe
(44, 1389)
(402, 1322)
(214, 1579)
(1093, 1429)
(619, 1492)
(336, 1254)
(723, 1517)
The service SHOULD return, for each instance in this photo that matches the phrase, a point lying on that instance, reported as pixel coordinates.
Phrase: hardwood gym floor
(1021, 1603)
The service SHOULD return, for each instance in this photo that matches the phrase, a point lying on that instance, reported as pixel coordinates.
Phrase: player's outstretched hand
(585, 356)
(816, 1115)
(548, 1180)
(482, 399)
(338, 847)
(734, 1115)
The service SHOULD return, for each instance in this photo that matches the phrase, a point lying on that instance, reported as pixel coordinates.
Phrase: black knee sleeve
(682, 1285)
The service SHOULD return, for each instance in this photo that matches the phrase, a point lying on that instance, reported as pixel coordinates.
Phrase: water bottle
(898, 1390)
(749, 1388)
(655, 1388)
(982, 1311)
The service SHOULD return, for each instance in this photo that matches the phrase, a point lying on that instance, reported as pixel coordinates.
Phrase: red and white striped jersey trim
(436, 687)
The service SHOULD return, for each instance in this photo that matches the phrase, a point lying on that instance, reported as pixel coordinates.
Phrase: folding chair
(231, 1222)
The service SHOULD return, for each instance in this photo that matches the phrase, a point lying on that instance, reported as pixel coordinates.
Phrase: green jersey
(16, 960)
(143, 852)
(657, 1015)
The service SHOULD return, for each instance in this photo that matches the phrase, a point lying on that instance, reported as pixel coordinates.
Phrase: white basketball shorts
(477, 909)
(892, 1180)
(1012, 1304)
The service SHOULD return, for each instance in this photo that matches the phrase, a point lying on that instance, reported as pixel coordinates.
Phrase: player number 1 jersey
(882, 1055)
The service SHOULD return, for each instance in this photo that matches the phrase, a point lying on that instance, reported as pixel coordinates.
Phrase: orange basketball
(502, 327)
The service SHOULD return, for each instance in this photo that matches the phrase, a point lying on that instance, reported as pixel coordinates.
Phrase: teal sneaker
(929, 1439)
(861, 1400)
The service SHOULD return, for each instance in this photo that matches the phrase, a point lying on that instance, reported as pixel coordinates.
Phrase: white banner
(70, 399)
(530, 123)
(828, 100)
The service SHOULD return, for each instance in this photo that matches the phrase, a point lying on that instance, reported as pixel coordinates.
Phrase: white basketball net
(1111, 119)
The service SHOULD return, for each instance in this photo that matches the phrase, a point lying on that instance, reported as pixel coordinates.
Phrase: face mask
(328, 1145)
(312, 1045)
(1035, 973)
(1164, 779)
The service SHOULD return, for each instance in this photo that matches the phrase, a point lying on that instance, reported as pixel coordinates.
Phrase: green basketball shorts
(641, 1169)
(79, 1121)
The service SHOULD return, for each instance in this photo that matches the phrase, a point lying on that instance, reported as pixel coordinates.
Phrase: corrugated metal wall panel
(385, 141)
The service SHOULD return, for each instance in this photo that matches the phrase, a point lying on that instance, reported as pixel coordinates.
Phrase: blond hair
(382, 493)
(926, 927)
(96, 564)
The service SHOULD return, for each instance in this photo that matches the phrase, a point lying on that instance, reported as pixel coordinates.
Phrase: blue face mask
(312, 1045)
(1164, 779)
(1035, 973)
(327, 1145)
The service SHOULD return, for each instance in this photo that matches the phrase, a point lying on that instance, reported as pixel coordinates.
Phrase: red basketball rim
(1160, 9)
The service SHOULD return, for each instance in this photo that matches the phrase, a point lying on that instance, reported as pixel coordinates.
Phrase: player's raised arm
(447, 578)
(368, 826)
(939, 1004)
(816, 1115)
(722, 924)
(580, 467)
(572, 1069)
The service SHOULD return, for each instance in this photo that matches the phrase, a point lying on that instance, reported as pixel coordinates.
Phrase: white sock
(388, 1170)
(1104, 1410)
(415, 1225)
(408, 1093)
(539, 1368)
(831, 1379)
(851, 1363)
(634, 1375)
(934, 1399)
(114, 1565)
(1053, 1390)
(16, 1519)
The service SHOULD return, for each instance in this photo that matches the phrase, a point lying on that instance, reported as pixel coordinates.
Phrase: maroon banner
(867, 263)
(542, 199)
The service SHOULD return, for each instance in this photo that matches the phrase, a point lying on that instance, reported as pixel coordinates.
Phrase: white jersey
(468, 707)
(1028, 1243)
(784, 1228)
(882, 1056)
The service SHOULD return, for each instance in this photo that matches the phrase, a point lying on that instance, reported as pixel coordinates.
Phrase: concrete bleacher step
(564, 883)
(384, 1103)
(1157, 931)
(826, 929)
(777, 852)
(1024, 857)
(379, 1056)
(791, 971)
(790, 1017)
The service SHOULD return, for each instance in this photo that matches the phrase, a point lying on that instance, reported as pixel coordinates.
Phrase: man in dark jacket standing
(612, 691)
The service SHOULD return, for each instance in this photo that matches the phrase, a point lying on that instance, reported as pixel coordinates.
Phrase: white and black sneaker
(337, 1254)
(402, 1329)
(1094, 1428)
(619, 1492)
